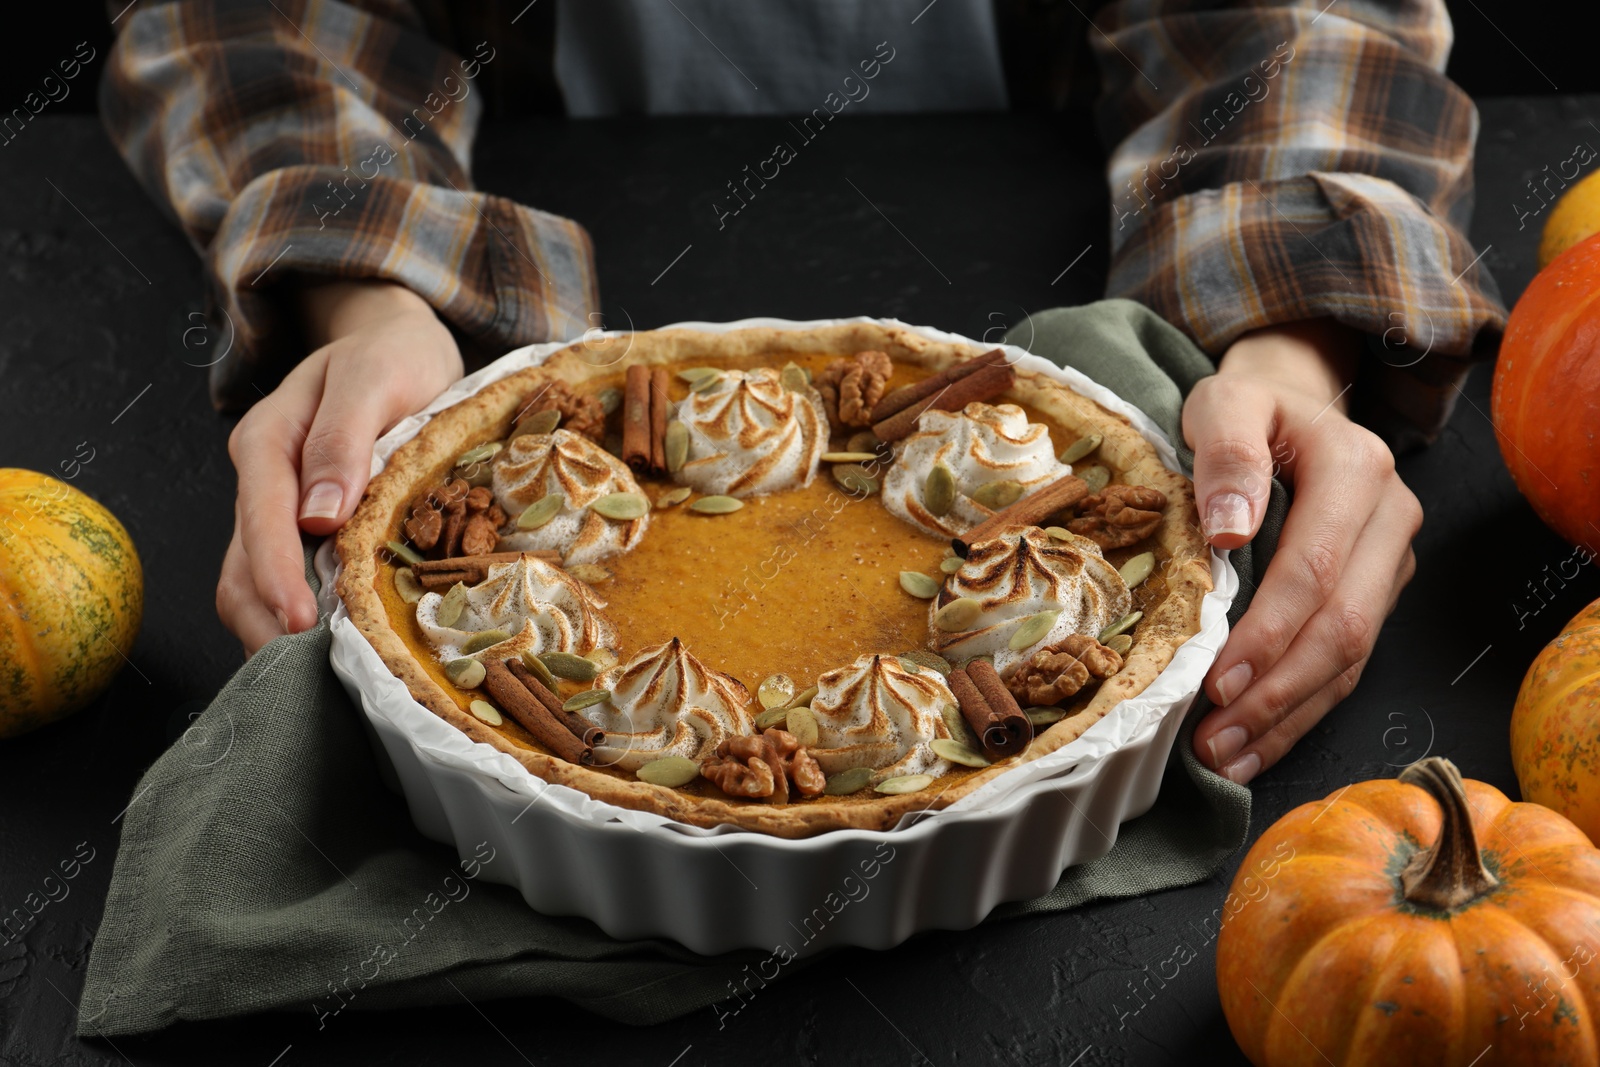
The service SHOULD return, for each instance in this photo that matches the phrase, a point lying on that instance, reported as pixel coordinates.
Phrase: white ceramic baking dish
(639, 875)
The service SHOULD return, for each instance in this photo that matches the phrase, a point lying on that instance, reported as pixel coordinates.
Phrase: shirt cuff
(500, 274)
(1357, 248)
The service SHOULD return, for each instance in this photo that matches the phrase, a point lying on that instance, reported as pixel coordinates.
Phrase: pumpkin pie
(792, 580)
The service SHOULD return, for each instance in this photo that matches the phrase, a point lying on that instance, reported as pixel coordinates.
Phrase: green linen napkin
(263, 864)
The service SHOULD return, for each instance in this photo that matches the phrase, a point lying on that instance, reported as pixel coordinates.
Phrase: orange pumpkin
(71, 597)
(1546, 399)
(1555, 725)
(1386, 935)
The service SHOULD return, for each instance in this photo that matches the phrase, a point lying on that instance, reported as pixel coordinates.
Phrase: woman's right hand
(303, 453)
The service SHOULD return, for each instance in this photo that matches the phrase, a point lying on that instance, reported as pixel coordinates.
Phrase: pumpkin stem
(1450, 872)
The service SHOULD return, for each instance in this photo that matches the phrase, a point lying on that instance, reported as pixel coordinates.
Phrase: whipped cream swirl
(665, 702)
(1017, 574)
(880, 712)
(536, 464)
(748, 434)
(981, 443)
(540, 605)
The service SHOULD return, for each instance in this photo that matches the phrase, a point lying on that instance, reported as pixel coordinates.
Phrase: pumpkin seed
(623, 507)
(1033, 630)
(697, 374)
(956, 752)
(610, 400)
(853, 478)
(1138, 569)
(588, 572)
(803, 698)
(486, 712)
(793, 377)
(572, 668)
(848, 457)
(484, 451)
(919, 585)
(939, 490)
(775, 691)
(483, 639)
(803, 725)
(865, 441)
(998, 495)
(1045, 716)
(1120, 644)
(923, 658)
(586, 699)
(406, 584)
(1121, 625)
(404, 551)
(465, 672)
(905, 783)
(1059, 533)
(706, 384)
(676, 445)
(1096, 477)
(474, 474)
(531, 661)
(771, 717)
(539, 422)
(852, 781)
(1080, 448)
(959, 614)
(541, 511)
(604, 658)
(957, 726)
(451, 605)
(716, 505)
(674, 496)
(670, 771)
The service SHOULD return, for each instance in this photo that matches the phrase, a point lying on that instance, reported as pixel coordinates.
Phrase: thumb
(336, 458)
(1229, 423)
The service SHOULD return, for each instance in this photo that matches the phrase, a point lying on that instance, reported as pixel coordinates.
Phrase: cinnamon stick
(1031, 510)
(580, 727)
(1008, 730)
(532, 715)
(658, 420)
(474, 569)
(636, 451)
(985, 383)
(906, 395)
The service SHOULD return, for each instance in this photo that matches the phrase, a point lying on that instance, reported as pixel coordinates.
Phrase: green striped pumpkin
(71, 596)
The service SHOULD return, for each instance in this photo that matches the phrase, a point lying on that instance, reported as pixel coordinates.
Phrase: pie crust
(427, 459)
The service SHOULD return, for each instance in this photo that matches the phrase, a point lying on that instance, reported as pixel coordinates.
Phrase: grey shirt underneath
(664, 57)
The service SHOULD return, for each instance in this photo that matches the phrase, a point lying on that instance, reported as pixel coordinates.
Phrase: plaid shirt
(1268, 162)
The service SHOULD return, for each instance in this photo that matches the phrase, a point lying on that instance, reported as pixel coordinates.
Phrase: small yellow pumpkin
(71, 597)
(1428, 920)
(1555, 721)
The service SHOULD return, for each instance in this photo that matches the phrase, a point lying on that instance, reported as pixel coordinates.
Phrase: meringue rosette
(750, 434)
(665, 702)
(1018, 575)
(535, 465)
(541, 607)
(882, 713)
(978, 445)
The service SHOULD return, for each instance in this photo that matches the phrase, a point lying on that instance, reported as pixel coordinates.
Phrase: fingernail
(1225, 743)
(1233, 681)
(1243, 769)
(283, 619)
(1228, 513)
(322, 502)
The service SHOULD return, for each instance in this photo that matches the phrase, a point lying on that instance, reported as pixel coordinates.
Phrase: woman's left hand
(1277, 406)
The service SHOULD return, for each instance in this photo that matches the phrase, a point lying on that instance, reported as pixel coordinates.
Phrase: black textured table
(967, 224)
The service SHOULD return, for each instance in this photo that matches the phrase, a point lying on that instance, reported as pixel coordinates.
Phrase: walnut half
(1119, 515)
(1059, 671)
(851, 387)
(763, 766)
